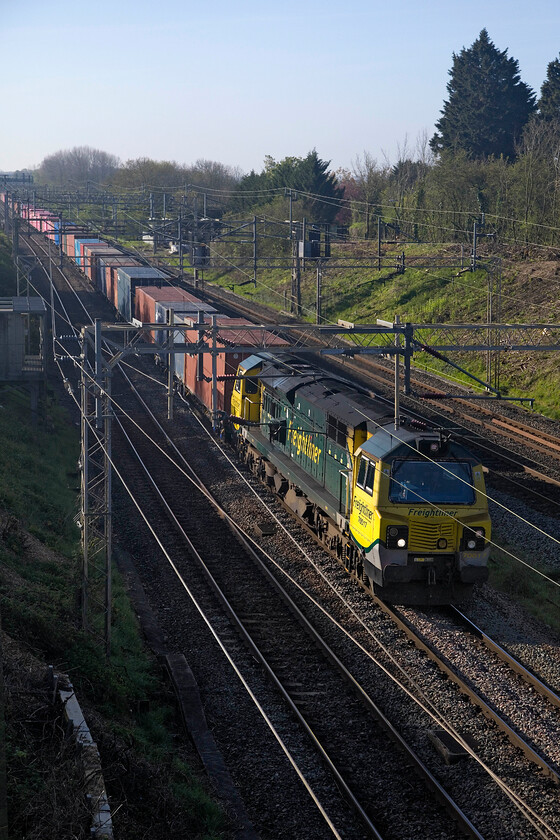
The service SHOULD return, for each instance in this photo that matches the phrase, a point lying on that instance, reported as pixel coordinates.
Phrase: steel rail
(465, 688)
(525, 673)
(452, 807)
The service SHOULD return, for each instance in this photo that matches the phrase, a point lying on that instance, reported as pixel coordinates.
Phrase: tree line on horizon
(495, 157)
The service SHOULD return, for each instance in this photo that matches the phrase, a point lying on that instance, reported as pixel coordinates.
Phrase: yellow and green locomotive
(404, 508)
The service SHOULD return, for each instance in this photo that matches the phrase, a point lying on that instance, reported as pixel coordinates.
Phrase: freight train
(403, 507)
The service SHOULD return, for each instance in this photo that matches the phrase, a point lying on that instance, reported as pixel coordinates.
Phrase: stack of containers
(50, 222)
(108, 266)
(90, 251)
(72, 232)
(58, 224)
(128, 278)
(78, 242)
(152, 305)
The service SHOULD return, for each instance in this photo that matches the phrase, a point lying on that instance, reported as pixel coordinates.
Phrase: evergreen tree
(322, 201)
(309, 176)
(488, 104)
(549, 103)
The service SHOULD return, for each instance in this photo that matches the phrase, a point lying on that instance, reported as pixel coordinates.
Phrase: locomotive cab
(246, 395)
(419, 517)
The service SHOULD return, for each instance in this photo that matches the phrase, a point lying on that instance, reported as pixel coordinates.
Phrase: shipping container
(78, 242)
(71, 233)
(49, 223)
(128, 279)
(107, 271)
(152, 305)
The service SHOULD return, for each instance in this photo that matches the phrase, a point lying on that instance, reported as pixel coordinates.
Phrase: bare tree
(77, 166)
(370, 178)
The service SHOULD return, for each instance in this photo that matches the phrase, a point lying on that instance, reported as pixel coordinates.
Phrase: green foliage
(533, 592)
(317, 188)
(549, 103)
(36, 470)
(488, 104)
(40, 613)
(7, 269)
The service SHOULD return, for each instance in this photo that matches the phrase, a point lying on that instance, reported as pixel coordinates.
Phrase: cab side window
(366, 475)
(362, 470)
(251, 386)
(370, 478)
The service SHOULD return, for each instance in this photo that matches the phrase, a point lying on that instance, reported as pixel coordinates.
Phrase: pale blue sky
(235, 81)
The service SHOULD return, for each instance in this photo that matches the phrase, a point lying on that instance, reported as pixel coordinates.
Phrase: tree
(488, 104)
(323, 193)
(149, 174)
(318, 189)
(370, 179)
(77, 166)
(549, 103)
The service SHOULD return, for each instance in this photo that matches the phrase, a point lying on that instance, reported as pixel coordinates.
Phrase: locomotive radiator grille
(424, 536)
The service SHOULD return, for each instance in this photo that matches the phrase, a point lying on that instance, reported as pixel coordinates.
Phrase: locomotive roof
(387, 439)
(330, 394)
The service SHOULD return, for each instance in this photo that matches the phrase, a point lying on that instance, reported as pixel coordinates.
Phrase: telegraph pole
(397, 374)
(474, 238)
(296, 278)
(170, 363)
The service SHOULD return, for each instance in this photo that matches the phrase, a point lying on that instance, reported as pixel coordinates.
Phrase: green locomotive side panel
(338, 464)
(305, 440)
(305, 433)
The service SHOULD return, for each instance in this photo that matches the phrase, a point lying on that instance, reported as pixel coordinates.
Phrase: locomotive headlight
(473, 539)
(397, 536)
(442, 543)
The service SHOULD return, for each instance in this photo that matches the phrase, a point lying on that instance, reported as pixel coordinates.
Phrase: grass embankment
(522, 291)
(526, 587)
(131, 715)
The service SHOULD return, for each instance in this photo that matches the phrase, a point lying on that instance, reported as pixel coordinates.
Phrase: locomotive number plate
(423, 559)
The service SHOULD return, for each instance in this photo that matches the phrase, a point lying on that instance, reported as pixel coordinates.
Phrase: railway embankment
(152, 774)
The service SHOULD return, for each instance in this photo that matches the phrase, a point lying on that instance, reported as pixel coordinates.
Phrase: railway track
(319, 691)
(469, 666)
(252, 616)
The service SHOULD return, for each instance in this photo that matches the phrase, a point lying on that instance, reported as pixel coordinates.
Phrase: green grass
(527, 588)
(40, 561)
(38, 479)
(421, 295)
(40, 609)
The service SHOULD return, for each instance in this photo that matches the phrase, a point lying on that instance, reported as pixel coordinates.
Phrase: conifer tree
(488, 104)
(549, 103)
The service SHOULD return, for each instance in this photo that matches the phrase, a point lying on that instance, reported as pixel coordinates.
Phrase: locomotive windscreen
(425, 482)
